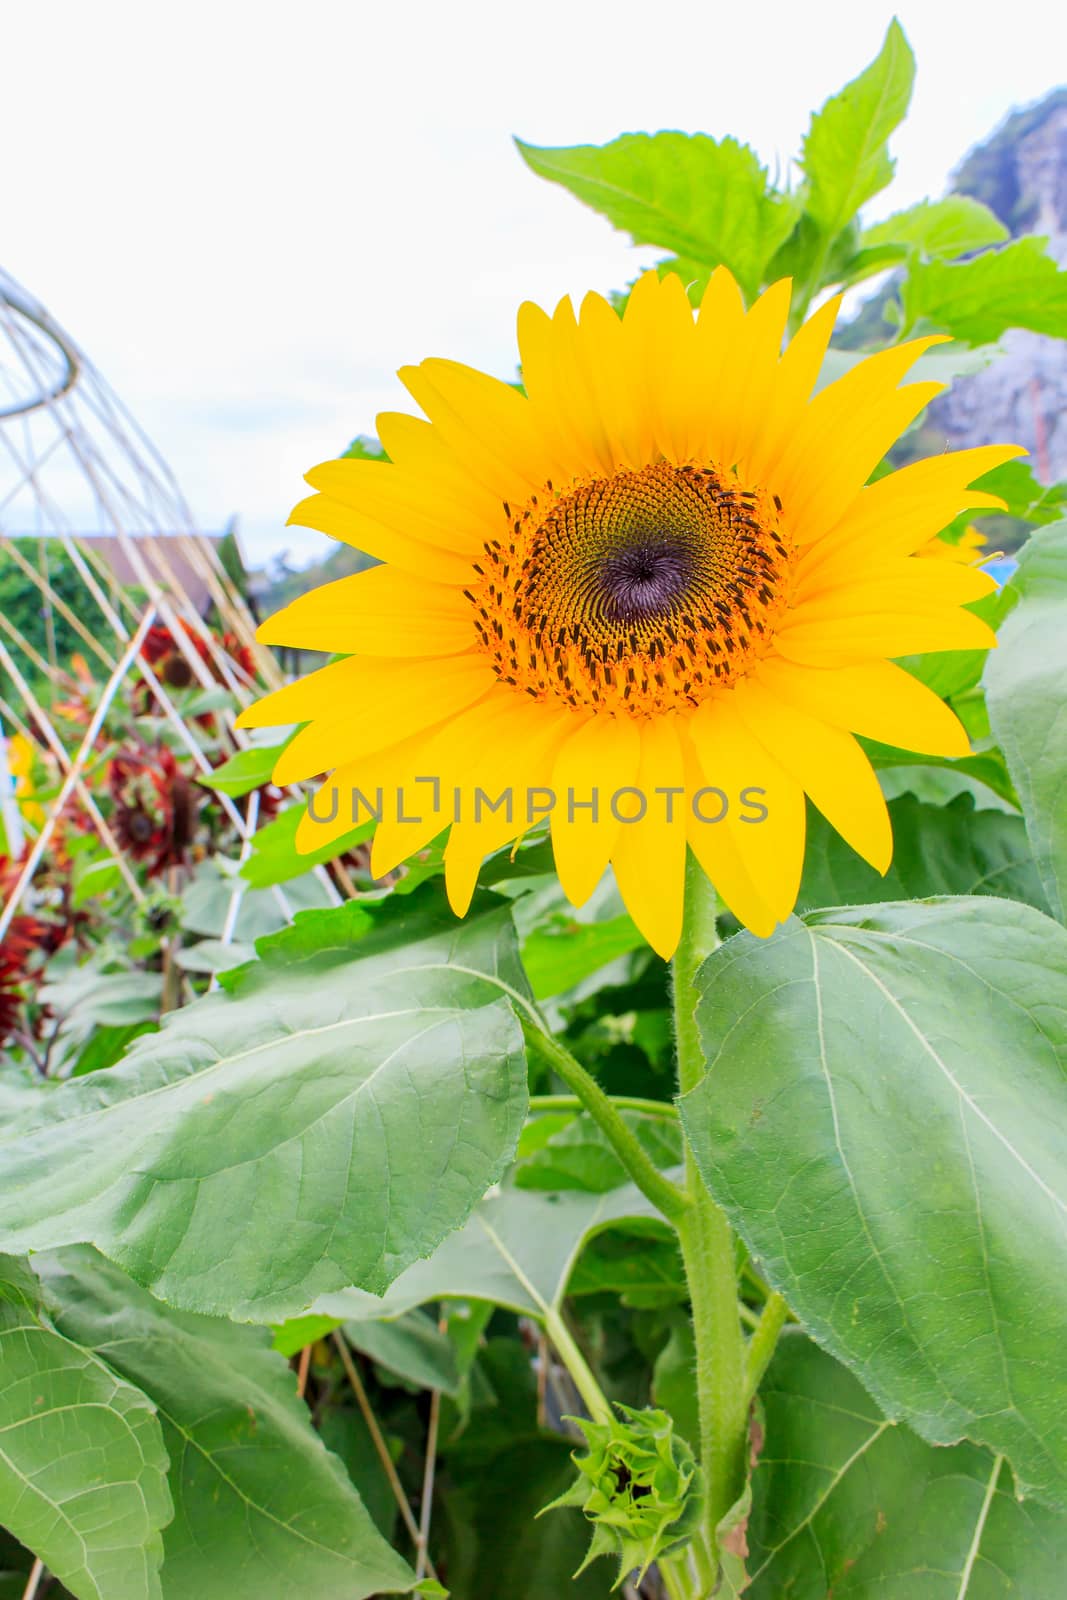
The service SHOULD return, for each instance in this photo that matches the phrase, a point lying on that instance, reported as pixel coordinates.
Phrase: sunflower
(968, 548)
(154, 813)
(655, 589)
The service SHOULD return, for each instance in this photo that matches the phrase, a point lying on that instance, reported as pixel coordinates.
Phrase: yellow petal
(876, 698)
(659, 338)
(555, 378)
(719, 350)
(896, 515)
(385, 543)
(842, 435)
(649, 854)
(418, 449)
(486, 424)
(386, 703)
(424, 504)
(716, 850)
(911, 584)
(620, 405)
(382, 612)
(794, 380)
(447, 767)
(337, 684)
(740, 765)
(763, 331)
(514, 750)
(830, 766)
(836, 641)
(597, 760)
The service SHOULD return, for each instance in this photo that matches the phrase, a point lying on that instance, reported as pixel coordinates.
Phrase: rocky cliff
(1021, 174)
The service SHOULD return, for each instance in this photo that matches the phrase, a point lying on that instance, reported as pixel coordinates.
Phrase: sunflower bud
(640, 1487)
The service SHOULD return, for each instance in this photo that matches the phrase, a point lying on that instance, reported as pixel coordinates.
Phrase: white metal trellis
(73, 458)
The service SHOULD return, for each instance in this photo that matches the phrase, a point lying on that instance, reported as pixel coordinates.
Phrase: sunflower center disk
(643, 592)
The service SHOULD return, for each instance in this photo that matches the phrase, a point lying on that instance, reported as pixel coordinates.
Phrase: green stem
(763, 1341)
(666, 1196)
(666, 1110)
(674, 1577)
(708, 1250)
(567, 1349)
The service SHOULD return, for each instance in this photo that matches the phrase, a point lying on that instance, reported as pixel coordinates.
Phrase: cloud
(250, 216)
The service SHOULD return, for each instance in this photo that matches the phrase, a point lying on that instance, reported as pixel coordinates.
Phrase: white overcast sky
(250, 215)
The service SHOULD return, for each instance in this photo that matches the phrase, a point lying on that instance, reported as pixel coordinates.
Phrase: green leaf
(953, 849)
(845, 1503)
(90, 997)
(845, 157)
(706, 199)
(942, 228)
(984, 766)
(579, 1156)
(83, 1464)
(206, 900)
(411, 1346)
(290, 1337)
(1026, 497)
(92, 879)
(211, 955)
(261, 1508)
(247, 770)
(1025, 681)
(321, 1122)
(557, 957)
(275, 858)
(1019, 286)
(518, 1250)
(884, 1119)
(643, 1269)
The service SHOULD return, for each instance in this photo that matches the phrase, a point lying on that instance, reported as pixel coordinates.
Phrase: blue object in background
(1001, 570)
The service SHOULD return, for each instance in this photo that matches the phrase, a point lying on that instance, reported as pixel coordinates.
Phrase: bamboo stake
(84, 793)
(40, 844)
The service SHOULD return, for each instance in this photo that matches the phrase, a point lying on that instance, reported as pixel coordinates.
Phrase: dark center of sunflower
(177, 673)
(640, 592)
(645, 580)
(141, 827)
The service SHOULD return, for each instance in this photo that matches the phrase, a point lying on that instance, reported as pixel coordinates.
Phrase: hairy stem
(581, 1373)
(666, 1196)
(762, 1344)
(708, 1250)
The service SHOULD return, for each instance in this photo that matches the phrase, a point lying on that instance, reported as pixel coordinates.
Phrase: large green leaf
(412, 1347)
(275, 858)
(1019, 286)
(261, 1507)
(953, 849)
(845, 156)
(706, 199)
(518, 1250)
(82, 1460)
(325, 1122)
(1026, 692)
(884, 1118)
(845, 1503)
(942, 228)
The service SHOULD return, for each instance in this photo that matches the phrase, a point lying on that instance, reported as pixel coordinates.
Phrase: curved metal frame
(69, 378)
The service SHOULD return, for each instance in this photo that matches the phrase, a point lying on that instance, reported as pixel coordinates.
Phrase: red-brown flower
(155, 807)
